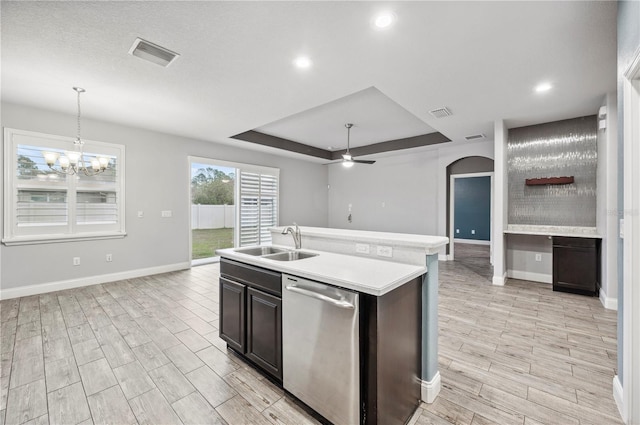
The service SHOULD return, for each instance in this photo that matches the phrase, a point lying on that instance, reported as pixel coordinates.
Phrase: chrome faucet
(297, 239)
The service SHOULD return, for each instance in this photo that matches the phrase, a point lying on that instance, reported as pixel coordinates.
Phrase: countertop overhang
(366, 275)
(538, 230)
(430, 244)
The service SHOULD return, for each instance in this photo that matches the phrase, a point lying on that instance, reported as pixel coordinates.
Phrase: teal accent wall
(472, 208)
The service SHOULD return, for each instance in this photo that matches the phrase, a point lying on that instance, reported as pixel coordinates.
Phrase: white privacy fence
(212, 216)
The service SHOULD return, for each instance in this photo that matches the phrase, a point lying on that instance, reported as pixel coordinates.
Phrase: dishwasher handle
(309, 293)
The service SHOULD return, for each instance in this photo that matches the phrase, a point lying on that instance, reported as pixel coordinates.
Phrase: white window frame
(70, 231)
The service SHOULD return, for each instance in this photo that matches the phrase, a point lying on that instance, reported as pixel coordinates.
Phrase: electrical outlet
(166, 213)
(140, 214)
(384, 251)
(457, 230)
(362, 248)
(76, 261)
(109, 258)
(538, 257)
(473, 232)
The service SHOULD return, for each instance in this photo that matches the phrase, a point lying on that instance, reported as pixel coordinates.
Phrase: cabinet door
(264, 331)
(575, 269)
(232, 313)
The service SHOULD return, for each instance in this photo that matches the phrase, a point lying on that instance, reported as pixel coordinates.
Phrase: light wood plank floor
(519, 354)
(147, 351)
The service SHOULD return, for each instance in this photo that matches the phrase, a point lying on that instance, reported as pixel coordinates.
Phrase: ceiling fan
(347, 159)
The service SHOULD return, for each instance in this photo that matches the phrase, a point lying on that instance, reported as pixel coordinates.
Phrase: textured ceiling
(235, 73)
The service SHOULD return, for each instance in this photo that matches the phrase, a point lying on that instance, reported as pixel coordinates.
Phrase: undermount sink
(290, 255)
(260, 250)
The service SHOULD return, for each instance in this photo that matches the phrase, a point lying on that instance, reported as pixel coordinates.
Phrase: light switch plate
(166, 213)
(622, 228)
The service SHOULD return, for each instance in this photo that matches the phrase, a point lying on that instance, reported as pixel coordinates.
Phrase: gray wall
(393, 195)
(521, 258)
(157, 178)
(404, 193)
(561, 148)
(628, 44)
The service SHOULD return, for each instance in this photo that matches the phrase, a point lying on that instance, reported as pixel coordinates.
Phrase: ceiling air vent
(475, 137)
(152, 52)
(440, 112)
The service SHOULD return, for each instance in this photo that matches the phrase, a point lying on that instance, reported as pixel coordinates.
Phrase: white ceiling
(235, 73)
(375, 117)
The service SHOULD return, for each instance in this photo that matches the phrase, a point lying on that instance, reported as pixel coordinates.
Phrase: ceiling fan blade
(363, 161)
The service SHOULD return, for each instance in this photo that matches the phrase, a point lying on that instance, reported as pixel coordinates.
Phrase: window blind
(258, 207)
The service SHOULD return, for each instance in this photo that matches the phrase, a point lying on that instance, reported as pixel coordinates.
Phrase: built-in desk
(575, 258)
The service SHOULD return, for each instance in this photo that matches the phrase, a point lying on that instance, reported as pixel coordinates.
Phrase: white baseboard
(534, 277)
(499, 280)
(617, 396)
(429, 390)
(472, 241)
(608, 302)
(42, 288)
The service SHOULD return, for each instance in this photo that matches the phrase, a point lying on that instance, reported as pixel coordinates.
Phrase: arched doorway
(469, 212)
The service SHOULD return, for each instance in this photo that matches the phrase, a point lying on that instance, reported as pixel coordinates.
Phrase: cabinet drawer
(266, 280)
(576, 242)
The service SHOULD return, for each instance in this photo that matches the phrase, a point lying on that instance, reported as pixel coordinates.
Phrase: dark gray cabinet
(232, 313)
(264, 331)
(251, 314)
(389, 329)
(576, 265)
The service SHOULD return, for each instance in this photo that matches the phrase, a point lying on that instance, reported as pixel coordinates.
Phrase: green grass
(206, 241)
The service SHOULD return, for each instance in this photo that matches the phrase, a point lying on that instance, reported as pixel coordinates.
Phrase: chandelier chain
(75, 162)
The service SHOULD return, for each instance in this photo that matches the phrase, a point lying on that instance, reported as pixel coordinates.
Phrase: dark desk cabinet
(576, 265)
(251, 314)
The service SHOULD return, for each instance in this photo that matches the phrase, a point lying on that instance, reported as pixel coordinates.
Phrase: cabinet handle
(309, 293)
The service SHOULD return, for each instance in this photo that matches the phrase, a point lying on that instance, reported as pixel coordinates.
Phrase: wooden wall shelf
(549, 180)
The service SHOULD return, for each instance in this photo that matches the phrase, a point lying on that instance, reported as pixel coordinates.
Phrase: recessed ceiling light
(302, 62)
(543, 87)
(384, 20)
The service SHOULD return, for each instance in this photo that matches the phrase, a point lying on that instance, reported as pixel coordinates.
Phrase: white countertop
(570, 231)
(367, 275)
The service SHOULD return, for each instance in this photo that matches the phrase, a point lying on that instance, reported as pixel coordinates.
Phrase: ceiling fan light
(347, 157)
(347, 163)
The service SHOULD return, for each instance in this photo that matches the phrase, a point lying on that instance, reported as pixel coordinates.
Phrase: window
(44, 206)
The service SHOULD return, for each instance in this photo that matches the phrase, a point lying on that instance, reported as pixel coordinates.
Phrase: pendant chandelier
(74, 162)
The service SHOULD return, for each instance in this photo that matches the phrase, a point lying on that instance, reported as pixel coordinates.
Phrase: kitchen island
(381, 329)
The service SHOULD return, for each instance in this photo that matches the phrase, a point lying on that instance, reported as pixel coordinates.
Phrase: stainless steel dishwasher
(320, 348)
